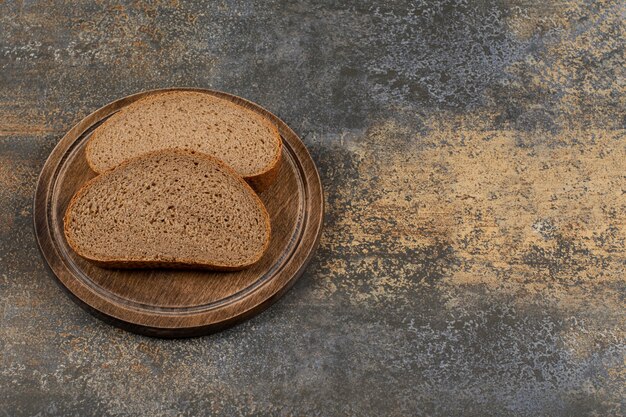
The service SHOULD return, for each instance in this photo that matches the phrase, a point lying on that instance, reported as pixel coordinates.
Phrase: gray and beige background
(473, 155)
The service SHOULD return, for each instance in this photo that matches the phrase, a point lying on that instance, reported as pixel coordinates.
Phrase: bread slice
(191, 120)
(169, 208)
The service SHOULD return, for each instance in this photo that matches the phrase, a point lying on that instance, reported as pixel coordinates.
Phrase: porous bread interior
(186, 120)
(169, 206)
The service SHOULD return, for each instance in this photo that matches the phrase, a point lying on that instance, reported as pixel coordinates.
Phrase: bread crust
(160, 262)
(260, 180)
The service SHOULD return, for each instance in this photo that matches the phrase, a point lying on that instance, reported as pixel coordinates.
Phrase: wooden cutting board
(181, 303)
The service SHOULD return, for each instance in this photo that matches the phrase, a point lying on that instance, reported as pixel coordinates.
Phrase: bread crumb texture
(169, 206)
(189, 120)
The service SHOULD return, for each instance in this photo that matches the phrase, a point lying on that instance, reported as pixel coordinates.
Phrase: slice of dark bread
(169, 208)
(240, 137)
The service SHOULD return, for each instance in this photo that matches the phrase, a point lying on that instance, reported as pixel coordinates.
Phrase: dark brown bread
(169, 208)
(190, 120)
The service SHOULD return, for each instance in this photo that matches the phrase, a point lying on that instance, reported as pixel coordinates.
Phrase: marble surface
(473, 156)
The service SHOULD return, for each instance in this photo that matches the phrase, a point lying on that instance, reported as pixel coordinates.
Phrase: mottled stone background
(473, 155)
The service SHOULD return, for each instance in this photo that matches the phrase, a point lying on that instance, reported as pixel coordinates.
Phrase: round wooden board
(181, 303)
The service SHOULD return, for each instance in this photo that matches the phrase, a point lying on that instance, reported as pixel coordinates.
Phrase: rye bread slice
(240, 137)
(169, 208)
